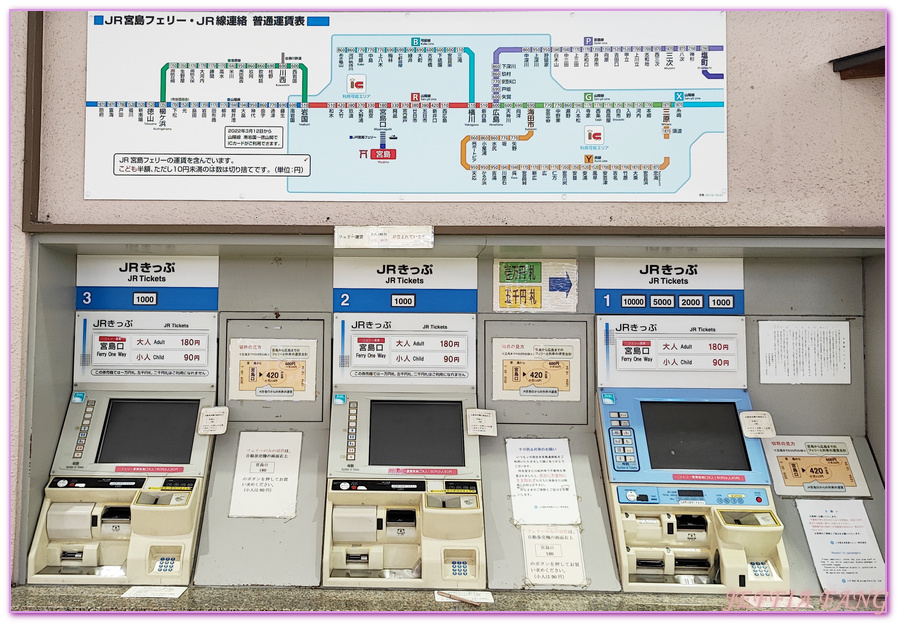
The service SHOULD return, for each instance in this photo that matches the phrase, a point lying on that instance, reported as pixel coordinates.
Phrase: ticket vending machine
(126, 488)
(404, 490)
(690, 499)
(692, 506)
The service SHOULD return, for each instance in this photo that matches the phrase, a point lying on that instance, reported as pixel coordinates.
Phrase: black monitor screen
(694, 436)
(148, 431)
(416, 433)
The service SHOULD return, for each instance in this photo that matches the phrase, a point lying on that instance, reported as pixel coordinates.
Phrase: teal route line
(470, 76)
(301, 67)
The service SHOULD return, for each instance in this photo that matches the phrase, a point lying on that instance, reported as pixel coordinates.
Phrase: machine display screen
(694, 436)
(148, 431)
(416, 433)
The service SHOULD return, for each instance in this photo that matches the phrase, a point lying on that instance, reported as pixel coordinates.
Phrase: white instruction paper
(266, 476)
(212, 421)
(163, 592)
(383, 237)
(553, 555)
(542, 487)
(757, 424)
(796, 352)
(482, 597)
(481, 422)
(845, 552)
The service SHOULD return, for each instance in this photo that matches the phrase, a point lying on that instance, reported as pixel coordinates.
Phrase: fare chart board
(419, 106)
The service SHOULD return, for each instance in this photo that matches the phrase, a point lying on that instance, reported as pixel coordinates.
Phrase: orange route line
(496, 137)
(522, 137)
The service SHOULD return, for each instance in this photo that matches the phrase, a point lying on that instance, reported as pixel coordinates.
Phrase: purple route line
(711, 76)
(499, 51)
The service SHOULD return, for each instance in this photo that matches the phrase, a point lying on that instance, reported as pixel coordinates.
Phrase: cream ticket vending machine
(404, 491)
(126, 488)
(691, 505)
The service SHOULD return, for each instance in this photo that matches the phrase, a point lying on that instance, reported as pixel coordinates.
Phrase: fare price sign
(376, 349)
(149, 347)
(651, 351)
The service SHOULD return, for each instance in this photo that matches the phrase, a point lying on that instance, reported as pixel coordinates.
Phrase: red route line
(421, 105)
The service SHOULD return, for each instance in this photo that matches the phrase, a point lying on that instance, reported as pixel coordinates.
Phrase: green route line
(164, 82)
(300, 66)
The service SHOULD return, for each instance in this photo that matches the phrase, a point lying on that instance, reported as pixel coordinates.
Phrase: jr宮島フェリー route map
(414, 106)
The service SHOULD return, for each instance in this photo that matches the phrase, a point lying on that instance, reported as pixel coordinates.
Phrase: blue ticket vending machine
(691, 503)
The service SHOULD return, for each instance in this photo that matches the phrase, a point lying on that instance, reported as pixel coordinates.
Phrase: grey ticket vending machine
(264, 518)
(547, 525)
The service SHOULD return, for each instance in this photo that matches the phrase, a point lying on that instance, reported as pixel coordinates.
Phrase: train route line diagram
(406, 106)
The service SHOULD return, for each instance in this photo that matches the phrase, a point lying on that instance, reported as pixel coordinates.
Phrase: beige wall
(805, 150)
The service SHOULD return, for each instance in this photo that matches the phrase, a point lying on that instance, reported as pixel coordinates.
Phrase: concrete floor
(260, 599)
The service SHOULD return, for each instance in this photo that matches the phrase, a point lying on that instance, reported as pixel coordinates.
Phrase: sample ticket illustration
(518, 375)
(255, 376)
(818, 466)
(272, 369)
(796, 470)
(531, 369)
